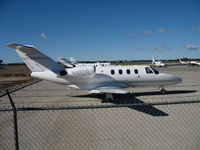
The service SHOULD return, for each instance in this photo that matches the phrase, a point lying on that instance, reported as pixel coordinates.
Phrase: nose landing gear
(163, 91)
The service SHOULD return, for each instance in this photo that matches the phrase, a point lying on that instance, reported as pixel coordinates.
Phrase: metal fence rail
(101, 106)
(160, 125)
(20, 87)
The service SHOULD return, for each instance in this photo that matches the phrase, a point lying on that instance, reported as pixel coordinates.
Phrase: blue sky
(102, 30)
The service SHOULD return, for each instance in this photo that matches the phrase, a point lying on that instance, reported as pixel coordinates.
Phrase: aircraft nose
(175, 79)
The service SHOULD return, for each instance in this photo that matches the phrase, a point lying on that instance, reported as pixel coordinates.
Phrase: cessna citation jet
(65, 62)
(183, 62)
(73, 63)
(107, 79)
(157, 63)
(193, 63)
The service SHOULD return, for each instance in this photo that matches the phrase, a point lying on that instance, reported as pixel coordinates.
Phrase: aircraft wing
(108, 89)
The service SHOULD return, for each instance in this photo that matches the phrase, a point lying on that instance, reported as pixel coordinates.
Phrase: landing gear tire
(163, 91)
(108, 98)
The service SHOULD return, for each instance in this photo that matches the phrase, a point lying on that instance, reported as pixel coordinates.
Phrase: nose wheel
(163, 91)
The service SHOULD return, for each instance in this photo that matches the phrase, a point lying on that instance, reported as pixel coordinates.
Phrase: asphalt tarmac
(49, 93)
(175, 126)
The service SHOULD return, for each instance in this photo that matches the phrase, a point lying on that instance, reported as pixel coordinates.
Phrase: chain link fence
(169, 125)
(7, 139)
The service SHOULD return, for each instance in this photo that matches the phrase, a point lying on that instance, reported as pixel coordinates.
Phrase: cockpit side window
(154, 70)
(148, 70)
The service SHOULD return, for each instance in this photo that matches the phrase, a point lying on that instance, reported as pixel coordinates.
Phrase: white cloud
(43, 35)
(162, 30)
(197, 29)
(160, 48)
(191, 47)
(153, 48)
(145, 32)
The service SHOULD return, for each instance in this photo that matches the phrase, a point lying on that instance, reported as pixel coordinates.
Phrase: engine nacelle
(81, 71)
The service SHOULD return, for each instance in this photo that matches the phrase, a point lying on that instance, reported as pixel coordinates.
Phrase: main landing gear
(108, 98)
(163, 91)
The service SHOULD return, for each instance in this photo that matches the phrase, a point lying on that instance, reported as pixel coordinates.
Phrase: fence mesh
(6, 130)
(171, 127)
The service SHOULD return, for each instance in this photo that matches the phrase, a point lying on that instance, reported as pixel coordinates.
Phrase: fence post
(15, 120)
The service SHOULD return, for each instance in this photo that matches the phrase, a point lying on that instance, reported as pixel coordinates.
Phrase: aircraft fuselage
(124, 76)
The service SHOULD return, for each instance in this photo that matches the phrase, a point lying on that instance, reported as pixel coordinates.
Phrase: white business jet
(194, 63)
(75, 63)
(157, 63)
(65, 62)
(183, 62)
(96, 79)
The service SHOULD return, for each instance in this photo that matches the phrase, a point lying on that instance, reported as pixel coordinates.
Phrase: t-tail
(73, 60)
(65, 62)
(153, 60)
(41, 66)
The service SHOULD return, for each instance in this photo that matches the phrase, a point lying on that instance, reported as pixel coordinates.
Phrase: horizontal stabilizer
(35, 60)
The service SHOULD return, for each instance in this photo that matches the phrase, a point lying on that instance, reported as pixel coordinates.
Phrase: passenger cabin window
(154, 70)
(136, 71)
(148, 70)
(128, 71)
(112, 71)
(120, 71)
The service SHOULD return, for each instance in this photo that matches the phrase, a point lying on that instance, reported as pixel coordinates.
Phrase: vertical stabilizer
(35, 60)
(65, 62)
(73, 60)
(153, 60)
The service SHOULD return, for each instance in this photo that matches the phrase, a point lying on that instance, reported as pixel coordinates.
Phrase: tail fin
(65, 62)
(73, 60)
(153, 60)
(35, 60)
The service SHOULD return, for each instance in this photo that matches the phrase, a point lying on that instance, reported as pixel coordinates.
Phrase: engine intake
(63, 73)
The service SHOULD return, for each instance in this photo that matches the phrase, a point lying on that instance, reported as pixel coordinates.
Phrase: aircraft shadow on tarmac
(131, 99)
(167, 93)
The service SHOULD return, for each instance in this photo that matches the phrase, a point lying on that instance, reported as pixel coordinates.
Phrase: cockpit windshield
(154, 70)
